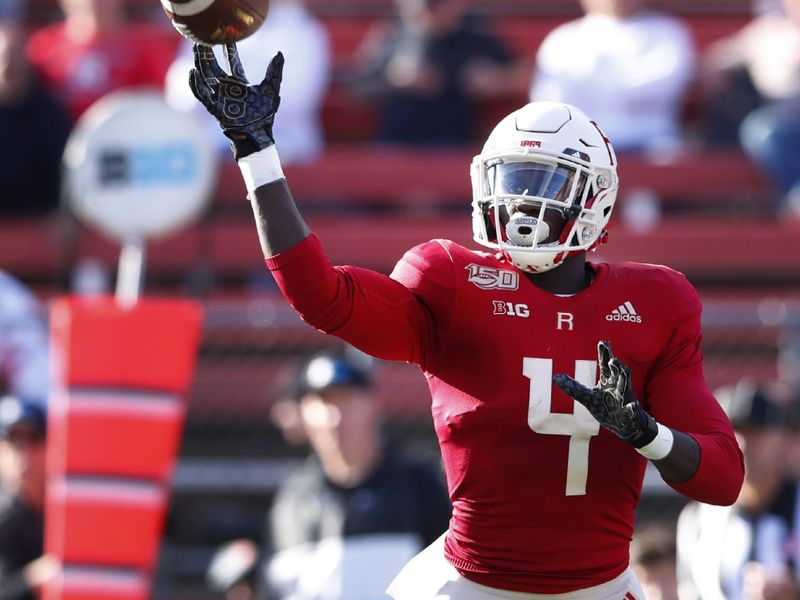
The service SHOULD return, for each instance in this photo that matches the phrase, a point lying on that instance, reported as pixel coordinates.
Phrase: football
(212, 22)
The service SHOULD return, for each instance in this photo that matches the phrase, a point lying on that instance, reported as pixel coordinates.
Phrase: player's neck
(572, 276)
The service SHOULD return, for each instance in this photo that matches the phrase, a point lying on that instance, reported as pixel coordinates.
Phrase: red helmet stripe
(606, 141)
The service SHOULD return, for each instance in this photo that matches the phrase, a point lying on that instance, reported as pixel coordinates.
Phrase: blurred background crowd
(384, 102)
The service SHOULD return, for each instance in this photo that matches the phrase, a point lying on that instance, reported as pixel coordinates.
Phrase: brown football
(216, 21)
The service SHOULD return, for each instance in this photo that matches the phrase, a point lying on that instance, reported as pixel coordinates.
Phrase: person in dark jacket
(430, 70)
(23, 567)
(355, 510)
(35, 127)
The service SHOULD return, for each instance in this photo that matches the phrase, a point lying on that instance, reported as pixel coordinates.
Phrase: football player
(545, 431)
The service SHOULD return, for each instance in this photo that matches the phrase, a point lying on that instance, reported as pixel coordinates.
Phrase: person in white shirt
(763, 57)
(293, 30)
(624, 64)
(747, 551)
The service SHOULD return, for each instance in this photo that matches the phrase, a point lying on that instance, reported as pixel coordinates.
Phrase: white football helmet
(545, 163)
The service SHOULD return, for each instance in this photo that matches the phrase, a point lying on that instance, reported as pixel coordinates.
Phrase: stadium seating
(409, 179)
(43, 9)
(522, 25)
(710, 250)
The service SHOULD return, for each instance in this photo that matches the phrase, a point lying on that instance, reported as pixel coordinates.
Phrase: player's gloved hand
(612, 401)
(245, 112)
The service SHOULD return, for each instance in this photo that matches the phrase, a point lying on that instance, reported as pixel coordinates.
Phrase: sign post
(135, 169)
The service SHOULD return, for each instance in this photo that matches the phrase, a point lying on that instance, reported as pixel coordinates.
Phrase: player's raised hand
(245, 112)
(612, 401)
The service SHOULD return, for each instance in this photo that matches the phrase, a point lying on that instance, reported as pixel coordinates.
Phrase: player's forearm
(720, 471)
(344, 301)
(683, 460)
(278, 221)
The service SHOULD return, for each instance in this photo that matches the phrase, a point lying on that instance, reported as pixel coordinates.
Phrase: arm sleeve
(373, 312)
(678, 397)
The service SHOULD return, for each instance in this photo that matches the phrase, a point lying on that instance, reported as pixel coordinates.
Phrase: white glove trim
(260, 168)
(660, 446)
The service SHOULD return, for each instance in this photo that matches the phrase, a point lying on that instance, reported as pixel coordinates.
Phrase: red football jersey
(543, 496)
(81, 71)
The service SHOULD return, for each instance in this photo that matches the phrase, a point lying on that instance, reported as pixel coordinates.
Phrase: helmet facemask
(551, 162)
(537, 208)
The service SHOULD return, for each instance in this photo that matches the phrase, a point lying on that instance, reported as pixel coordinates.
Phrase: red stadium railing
(406, 178)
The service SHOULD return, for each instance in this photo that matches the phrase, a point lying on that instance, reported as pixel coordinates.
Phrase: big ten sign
(136, 168)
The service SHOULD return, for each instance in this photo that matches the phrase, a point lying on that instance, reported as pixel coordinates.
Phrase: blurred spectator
(757, 65)
(12, 10)
(627, 66)
(23, 568)
(430, 70)
(747, 551)
(771, 135)
(293, 30)
(24, 369)
(792, 9)
(95, 50)
(34, 127)
(790, 397)
(355, 511)
(653, 559)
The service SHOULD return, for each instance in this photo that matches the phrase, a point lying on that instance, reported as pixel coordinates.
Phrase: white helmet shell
(543, 157)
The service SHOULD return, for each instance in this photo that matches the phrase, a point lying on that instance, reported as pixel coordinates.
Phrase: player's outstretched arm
(612, 402)
(246, 113)
(345, 301)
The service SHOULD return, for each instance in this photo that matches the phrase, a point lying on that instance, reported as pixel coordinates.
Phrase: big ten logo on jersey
(172, 163)
(490, 278)
(511, 309)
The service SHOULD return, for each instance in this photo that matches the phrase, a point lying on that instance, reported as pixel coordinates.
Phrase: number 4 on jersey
(579, 425)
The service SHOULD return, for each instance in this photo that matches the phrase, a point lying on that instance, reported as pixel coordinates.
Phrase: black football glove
(611, 401)
(245, 112)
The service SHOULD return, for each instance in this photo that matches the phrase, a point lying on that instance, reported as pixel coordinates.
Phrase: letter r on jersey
(565, 321)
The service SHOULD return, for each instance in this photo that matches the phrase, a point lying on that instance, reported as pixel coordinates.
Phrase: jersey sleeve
(374, 312)
(678, 397)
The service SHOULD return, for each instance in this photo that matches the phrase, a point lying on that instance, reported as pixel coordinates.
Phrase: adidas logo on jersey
(624, 312)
